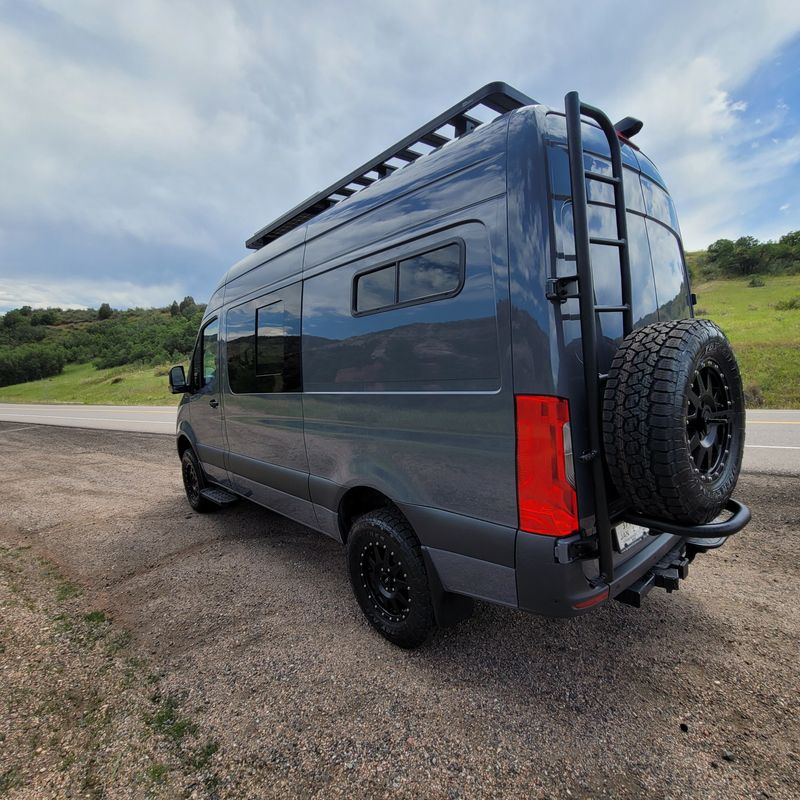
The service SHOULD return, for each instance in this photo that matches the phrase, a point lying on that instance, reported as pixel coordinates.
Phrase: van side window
(423, 276)
(376, 289)
(430, 274)
(210, 337)
(263, 344)
(270, 339)
(204, 358)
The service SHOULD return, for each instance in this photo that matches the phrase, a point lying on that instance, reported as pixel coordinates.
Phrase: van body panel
(285, 503)
(457, 533)
(271, 252)
(484, 580)
(416, 402)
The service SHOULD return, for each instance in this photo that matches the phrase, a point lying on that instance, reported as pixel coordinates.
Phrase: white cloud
(82, 294)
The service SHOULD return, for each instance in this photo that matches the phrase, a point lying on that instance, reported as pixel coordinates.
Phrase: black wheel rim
(190, 481)
(385, 581)
(709, 421)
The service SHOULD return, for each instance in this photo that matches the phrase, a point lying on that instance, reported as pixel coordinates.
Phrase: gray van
(473, 361)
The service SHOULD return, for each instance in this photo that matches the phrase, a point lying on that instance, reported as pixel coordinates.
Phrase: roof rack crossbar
(497, 97)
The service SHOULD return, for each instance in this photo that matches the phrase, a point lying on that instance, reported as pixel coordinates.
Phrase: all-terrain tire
(194, 481)
(388, 576)
(673, 421)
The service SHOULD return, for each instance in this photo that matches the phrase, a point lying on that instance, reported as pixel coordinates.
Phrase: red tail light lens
(545, 494)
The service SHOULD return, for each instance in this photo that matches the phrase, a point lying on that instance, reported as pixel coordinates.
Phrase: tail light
(545, 471)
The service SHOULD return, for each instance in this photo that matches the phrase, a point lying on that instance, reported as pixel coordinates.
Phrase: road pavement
(138, 419)
(773, 437)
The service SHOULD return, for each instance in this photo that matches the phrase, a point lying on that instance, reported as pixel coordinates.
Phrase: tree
(104, 312)
(174, 309)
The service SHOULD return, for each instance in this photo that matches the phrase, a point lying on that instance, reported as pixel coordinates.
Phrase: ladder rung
(608, 309)
(598, 176)
(613, 242)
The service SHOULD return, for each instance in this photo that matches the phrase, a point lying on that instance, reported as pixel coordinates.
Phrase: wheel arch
(183, 444)
(359, 500)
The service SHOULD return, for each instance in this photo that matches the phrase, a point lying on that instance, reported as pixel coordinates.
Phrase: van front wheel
(194, 482)
(388, 576)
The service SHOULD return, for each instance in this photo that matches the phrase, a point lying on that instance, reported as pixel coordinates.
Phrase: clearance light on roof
(545, 477)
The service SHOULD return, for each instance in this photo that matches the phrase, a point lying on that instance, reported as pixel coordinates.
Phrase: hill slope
(764, 330)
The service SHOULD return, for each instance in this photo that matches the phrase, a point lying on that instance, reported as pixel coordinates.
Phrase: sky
(141, 143)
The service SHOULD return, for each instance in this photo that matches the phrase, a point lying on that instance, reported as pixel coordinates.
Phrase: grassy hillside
(38, 343)
(82, 383)
(764, 330)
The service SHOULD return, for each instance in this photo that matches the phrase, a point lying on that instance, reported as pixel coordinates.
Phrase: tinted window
(434, 273)
(671, 286)
(210, 337)
(430, 274)
(263, 344)
(376, 289)
(270, 339)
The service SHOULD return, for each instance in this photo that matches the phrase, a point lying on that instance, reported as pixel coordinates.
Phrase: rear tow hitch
(666, 574)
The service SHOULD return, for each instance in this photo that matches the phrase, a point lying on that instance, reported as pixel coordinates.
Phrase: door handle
(213, 402)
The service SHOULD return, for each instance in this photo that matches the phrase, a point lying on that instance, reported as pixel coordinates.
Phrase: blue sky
(143, 142)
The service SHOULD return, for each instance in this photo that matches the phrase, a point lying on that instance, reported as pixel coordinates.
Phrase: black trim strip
(210, 455)
(283, 479)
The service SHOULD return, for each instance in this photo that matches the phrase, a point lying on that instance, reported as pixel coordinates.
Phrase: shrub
(753, 396)
(788, 305)
(30, 362)
(756, 281)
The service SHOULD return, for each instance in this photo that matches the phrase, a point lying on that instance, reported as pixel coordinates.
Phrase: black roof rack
(497, 97)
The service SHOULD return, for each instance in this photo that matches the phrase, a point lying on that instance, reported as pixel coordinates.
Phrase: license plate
(627, 534)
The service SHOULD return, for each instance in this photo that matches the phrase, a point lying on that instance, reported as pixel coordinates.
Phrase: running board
(218, 496)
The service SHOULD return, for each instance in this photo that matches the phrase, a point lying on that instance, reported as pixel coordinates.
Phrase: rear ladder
(586, 297)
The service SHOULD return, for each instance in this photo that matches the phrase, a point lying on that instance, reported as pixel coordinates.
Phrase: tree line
(37, 343)
(747, 256)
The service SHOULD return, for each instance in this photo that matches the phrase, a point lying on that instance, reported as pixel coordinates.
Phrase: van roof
(497, 97)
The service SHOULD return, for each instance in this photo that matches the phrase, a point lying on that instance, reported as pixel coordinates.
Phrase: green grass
(766, 338)
(82, 383)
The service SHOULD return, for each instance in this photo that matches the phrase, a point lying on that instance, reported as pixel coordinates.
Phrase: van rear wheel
(387, 573)
(673, 421)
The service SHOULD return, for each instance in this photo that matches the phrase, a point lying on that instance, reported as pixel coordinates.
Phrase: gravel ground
(246, 622)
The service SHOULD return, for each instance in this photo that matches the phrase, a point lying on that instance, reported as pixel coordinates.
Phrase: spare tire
(673, 421)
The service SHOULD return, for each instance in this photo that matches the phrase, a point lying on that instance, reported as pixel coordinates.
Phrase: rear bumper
(554, 589)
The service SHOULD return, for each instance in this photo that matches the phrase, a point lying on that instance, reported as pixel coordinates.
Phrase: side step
(666, 574)
(218, 496)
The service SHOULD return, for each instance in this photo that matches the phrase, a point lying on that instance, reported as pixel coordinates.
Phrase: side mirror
(177, 380)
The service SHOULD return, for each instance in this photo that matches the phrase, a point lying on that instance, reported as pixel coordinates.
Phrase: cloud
(178, 129)
(15, 293)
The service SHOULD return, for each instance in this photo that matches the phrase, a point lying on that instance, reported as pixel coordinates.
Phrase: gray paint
(418, 402)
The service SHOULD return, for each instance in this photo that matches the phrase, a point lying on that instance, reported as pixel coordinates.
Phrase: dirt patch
(249, 623)
(80, 714)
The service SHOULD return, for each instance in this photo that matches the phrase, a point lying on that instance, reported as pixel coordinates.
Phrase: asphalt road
(773, 437)
(137, 419)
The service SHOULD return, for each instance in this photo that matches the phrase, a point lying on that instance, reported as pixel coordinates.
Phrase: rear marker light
(545, 471)
(593, 601)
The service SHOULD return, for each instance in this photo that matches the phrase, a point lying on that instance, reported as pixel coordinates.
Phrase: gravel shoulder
(245, 622)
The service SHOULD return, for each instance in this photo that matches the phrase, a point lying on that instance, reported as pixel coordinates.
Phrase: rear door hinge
(574, 548)
(559, 290)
